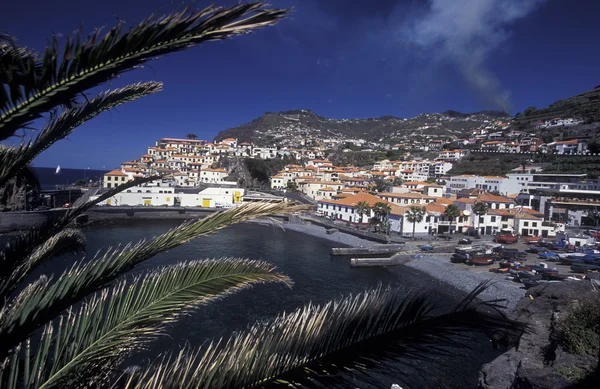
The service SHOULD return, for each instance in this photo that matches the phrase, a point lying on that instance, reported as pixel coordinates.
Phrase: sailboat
(57, 170)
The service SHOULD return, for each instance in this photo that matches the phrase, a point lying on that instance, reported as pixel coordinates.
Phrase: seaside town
(399, 195)
(526, 201)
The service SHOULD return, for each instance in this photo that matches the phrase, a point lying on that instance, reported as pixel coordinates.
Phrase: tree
(480, 208)
(191, 136)
(432, 180)
(292, 186)
(43, 315)
(452, 212)
(382, 214)
(414, 215)
(397, 181)
(76, 328)
(362, 208)
(381, 185)
(594, 146)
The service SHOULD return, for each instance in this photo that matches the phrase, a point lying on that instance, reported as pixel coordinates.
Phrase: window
(504, 218)
(526, 224)
(108, 185)
(534, 224)
(493, 219)
(480, 219)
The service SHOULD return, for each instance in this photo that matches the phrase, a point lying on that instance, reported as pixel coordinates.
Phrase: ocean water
(49, 179)
(317, 277)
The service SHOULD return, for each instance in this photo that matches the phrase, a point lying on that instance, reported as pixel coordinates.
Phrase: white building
(212, 198)
(499, 184)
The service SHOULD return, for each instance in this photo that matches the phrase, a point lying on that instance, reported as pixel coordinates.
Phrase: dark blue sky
(363, 58)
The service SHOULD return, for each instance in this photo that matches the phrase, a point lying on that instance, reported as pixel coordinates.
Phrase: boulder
(536, 361)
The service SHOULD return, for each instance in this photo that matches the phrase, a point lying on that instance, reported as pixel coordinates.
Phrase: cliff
(561, 348)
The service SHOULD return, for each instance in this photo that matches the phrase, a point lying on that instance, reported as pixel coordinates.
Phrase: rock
(500, 373)
(537, 361)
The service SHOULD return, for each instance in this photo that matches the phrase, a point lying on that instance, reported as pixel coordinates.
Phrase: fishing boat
(532, 239)
(480, 260)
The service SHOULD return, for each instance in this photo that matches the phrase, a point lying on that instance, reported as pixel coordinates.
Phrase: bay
(318, 278)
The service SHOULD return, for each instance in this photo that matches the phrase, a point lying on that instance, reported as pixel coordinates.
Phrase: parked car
(465, 241)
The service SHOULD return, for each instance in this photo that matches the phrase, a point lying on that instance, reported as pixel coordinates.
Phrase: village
(415, 196)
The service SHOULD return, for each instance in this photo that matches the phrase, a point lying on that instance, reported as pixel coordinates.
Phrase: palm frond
(127, 316)
(87, 64)
(66, 241)
(19, 68)
(20, 246)
(13, 160)
(340, 344)
(40, 306)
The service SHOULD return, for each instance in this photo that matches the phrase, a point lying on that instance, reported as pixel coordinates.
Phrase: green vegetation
(487, 164)
(415, 215)
(578, 330)
(588, 164)
(358, 158)
(452, 212)
(572, 373)
(585, 105)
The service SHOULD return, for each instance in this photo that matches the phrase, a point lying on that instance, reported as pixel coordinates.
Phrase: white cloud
(468, 32)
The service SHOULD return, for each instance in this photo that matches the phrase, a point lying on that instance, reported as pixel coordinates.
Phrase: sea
(318, 277)
(49, 179)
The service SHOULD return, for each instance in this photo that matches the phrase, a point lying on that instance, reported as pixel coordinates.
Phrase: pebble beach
(438, 266)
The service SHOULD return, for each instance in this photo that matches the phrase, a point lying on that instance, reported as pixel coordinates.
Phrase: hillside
(299, 126)
(585, 106)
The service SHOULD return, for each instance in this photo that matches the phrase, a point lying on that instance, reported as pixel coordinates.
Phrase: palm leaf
(19, 67)
(12, 160)
(64, 242)
(37, 307)
(341, 344)
(84, 65)
(20, 246)
(127, 316)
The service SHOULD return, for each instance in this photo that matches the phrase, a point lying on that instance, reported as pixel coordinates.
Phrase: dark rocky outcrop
(537, 360)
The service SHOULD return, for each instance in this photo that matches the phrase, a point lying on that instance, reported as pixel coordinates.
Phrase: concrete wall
(12, 221)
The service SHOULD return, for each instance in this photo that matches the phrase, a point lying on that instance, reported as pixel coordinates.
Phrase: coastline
(438, 267)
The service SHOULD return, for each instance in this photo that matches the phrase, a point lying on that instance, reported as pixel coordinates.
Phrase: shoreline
(437, 266)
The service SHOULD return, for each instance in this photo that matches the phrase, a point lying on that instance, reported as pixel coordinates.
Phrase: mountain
(293, 127)
(584, 106)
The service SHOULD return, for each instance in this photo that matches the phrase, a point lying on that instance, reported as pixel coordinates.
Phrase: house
(345, 209)
(114, 178)
(492, 145)
(573, 146)
(406, 198)
(213, 175)
(451, 155)
(436, 144)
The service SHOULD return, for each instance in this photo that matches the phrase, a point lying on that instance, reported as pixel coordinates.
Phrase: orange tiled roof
(353, 200)
(116, 172)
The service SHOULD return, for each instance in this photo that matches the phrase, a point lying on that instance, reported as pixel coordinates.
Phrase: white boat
(57, 170)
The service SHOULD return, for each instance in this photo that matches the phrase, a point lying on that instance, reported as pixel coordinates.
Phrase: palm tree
(452, 212)
(362, 208)
(480, 208)
(378, 333)
(382, 213)
(76, 329)
(191, 136)
(414, 215)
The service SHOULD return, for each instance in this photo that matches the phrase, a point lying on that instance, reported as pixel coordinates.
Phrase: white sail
(57, 169)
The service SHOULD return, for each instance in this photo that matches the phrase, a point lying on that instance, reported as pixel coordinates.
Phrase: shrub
(578, 331)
